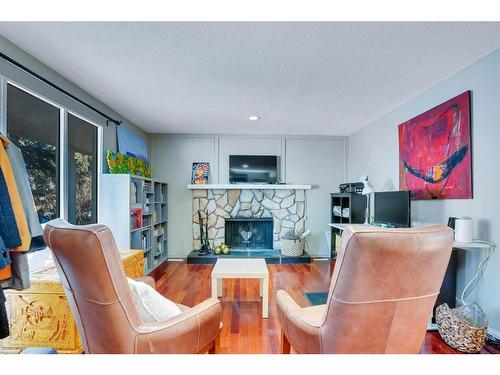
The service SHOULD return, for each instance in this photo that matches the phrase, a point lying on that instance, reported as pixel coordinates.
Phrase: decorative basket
(292, 248)
(463, 328)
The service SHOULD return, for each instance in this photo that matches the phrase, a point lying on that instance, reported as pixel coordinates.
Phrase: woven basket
(463, 328)
(292, 248)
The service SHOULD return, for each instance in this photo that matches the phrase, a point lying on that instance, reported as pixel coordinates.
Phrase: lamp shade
(368, 188)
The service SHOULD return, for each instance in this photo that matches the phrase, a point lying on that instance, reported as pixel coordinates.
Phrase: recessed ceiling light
(254, 118)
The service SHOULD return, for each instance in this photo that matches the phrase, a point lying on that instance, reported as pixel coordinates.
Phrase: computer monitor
(393, 208)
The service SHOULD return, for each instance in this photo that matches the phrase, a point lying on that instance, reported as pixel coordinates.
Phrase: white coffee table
(242, 269)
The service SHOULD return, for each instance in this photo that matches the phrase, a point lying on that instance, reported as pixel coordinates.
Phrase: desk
(41, 317)
(475, 245)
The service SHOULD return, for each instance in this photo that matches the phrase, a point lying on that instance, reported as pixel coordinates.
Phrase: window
(61, 159)
(33, 125)
(82, 171)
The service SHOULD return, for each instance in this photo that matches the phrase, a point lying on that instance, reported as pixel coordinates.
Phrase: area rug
(316, 298)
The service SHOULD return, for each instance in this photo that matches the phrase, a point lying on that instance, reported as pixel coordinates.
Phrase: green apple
(225, 250)
(217, 250)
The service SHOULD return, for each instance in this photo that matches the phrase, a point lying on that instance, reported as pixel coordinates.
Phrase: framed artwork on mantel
(435, 155)
(199, 174)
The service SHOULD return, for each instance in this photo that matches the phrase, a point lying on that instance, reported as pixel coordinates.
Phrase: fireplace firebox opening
(249, 233)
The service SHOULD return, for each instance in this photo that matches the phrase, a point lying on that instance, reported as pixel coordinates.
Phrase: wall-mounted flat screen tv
(253, 169)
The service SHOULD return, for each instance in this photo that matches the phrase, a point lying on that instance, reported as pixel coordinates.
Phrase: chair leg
(285, 344)
(215, 349)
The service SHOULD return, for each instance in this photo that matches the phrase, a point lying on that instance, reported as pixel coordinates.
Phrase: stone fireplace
(282, 208)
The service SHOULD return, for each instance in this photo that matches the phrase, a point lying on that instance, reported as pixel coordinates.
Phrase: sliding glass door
(61, 154)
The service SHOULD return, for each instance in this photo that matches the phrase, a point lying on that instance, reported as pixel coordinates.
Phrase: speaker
(463, 230)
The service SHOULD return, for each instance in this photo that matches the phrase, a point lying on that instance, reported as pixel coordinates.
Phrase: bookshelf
(345, 208)
(135, 209)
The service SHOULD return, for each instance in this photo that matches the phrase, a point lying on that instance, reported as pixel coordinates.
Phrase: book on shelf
(342, 212)
(135, 218)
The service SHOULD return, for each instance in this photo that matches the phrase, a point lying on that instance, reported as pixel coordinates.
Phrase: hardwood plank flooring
(244, 331)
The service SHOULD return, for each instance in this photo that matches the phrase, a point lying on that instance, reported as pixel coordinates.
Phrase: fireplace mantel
(248, 186)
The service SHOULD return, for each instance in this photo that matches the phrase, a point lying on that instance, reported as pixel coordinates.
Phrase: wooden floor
(244, 329)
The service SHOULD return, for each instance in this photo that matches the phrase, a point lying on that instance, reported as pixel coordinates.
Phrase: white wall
(374, 150)
(319, 161)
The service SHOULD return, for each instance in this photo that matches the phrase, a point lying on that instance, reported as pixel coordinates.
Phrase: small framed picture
(199, 174)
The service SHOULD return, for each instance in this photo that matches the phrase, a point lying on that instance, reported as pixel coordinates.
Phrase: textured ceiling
(300, 78)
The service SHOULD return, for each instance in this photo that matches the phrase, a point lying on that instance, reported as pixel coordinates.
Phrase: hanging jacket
(8, 226)
(5, 274)
(15, 200)
(23, 186)
(5, 268)
(8, 229)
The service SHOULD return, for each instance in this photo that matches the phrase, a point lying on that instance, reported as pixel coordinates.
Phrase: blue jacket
(4, 255)
(8, 226)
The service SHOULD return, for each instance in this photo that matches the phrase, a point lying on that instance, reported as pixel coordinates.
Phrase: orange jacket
(15, 200)
(5, 273)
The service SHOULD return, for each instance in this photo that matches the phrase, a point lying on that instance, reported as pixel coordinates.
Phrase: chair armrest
(148, 280)
(186, 333)
(289, 307)
(301, 326)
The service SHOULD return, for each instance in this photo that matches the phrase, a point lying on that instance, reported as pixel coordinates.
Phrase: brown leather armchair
(381, 295)
(93, 278)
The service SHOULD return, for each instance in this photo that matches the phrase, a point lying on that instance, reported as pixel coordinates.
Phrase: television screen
(253, 169)
(393, 208)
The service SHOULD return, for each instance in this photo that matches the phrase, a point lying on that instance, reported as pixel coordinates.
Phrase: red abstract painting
(435, 152)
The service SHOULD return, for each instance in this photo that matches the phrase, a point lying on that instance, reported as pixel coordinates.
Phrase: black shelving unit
(345, 208)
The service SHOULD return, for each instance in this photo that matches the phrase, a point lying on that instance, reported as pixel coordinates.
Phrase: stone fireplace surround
(286, 207)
